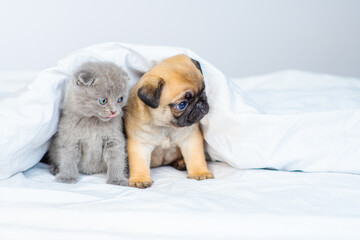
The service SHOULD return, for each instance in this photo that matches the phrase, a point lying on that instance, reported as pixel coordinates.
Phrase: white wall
(239, 37)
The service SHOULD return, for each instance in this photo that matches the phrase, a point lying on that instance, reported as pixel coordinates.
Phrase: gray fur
(87, 141)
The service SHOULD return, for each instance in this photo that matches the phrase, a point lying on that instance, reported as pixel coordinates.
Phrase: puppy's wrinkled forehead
(181, 83)
(181, 74)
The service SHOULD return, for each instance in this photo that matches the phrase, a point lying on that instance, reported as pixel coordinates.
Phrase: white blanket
(308, 122)
(237, 204)
(287, 121)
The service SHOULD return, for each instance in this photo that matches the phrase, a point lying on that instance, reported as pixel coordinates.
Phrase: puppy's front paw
(201, 175)
(66, 179)
(140, 183)
(120, 182)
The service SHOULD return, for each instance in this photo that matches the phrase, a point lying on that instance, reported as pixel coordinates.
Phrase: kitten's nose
(113, 114)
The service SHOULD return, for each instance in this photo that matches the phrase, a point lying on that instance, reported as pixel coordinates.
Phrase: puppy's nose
(203, 96)
(203, 106)
(113, 113)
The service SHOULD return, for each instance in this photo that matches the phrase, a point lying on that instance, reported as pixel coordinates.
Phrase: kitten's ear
(150, 92)
(84, 78)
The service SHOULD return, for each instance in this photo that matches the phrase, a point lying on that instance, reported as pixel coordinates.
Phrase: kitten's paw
(54, 169)
(66, 179)
(121, 182)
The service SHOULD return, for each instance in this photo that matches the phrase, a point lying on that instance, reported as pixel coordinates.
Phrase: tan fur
(152, 138)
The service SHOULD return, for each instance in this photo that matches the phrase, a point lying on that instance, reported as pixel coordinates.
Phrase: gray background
(241, 38)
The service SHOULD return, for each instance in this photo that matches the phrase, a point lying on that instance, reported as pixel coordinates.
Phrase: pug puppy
(161, 121)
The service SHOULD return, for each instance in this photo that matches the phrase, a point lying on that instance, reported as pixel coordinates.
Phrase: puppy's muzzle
(195, 111)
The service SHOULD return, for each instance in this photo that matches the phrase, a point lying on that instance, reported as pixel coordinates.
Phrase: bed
(284, 153)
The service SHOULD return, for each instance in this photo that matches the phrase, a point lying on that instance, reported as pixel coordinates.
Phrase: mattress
(237, 204)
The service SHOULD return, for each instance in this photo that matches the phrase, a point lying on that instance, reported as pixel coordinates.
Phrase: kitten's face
(99, 90)
(104, 103)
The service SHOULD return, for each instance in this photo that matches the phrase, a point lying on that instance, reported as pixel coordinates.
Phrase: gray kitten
(89, 137)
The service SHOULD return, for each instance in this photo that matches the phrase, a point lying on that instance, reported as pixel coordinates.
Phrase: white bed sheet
(237, 204)
(246, 204)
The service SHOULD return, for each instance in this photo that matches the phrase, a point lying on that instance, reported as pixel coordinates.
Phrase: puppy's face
(174, 92)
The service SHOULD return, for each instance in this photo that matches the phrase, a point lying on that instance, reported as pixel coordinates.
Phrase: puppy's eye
(120, 99)
(103, 101)
(181, 106)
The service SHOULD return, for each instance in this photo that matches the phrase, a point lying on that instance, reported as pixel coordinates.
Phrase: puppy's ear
(197, 64)
(150, 93)
(84, 78)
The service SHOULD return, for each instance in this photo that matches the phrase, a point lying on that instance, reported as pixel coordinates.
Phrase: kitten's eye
(103, 101)
(120, 99)
(181, 106)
